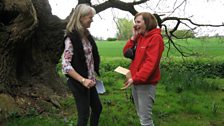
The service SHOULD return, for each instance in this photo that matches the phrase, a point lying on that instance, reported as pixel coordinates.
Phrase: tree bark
(30, 47)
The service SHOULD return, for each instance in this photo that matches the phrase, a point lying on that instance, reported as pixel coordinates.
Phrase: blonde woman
(80, 63)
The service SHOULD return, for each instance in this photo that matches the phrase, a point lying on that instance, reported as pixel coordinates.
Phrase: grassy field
(206, 48)
(110, 49)
(183, 98)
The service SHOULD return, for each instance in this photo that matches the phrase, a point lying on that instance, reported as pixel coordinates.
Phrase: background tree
(31, 40)
(182, 34)
(124, 28)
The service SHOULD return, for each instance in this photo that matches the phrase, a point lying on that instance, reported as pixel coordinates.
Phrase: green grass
(183, 98)
(36, 121)
(203, 48)
(111, 48)
(200, 47)
(187, 108)
(170, 109)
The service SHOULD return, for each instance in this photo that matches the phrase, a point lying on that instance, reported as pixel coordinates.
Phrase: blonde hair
(74, 22)
(149, 19)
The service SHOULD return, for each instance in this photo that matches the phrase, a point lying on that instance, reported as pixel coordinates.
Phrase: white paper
(122, 70)
(100, 87)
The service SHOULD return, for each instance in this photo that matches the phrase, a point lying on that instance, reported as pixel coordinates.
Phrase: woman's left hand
(89, 83)
(127, 84)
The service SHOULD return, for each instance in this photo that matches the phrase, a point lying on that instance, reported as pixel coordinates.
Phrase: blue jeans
(86, 100)
(144, 96)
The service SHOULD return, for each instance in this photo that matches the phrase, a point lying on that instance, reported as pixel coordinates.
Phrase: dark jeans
(86, 100)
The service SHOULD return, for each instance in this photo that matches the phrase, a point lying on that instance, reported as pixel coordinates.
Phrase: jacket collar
(152, 32)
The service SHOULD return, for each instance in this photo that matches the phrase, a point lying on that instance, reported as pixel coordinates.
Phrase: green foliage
(111, 39)
(191, 74)
(184, 34)
(215, 108)
(125, 28)
(203, 67)
(181, 34)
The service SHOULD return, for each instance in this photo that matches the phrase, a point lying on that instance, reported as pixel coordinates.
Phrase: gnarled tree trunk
(30, 47)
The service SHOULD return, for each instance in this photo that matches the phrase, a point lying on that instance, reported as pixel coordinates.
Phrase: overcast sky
(200, 11)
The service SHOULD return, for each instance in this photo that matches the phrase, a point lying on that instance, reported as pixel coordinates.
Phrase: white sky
(200, 11)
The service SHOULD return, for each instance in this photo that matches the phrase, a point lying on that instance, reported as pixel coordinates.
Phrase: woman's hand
(134, 32)
(127, 84)
(88, 83)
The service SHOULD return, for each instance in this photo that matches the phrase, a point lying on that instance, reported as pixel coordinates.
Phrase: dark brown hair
(149, 19)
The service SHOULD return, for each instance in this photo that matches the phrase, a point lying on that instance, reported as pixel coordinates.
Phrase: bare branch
(171, 42)
(171, 34)
(84, 1)
(187, 19)
(119, 5)
(183, 2)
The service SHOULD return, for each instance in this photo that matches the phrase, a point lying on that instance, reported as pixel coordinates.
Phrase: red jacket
(145, 66)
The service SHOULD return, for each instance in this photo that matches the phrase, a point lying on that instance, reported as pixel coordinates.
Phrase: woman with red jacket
(147, 47)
